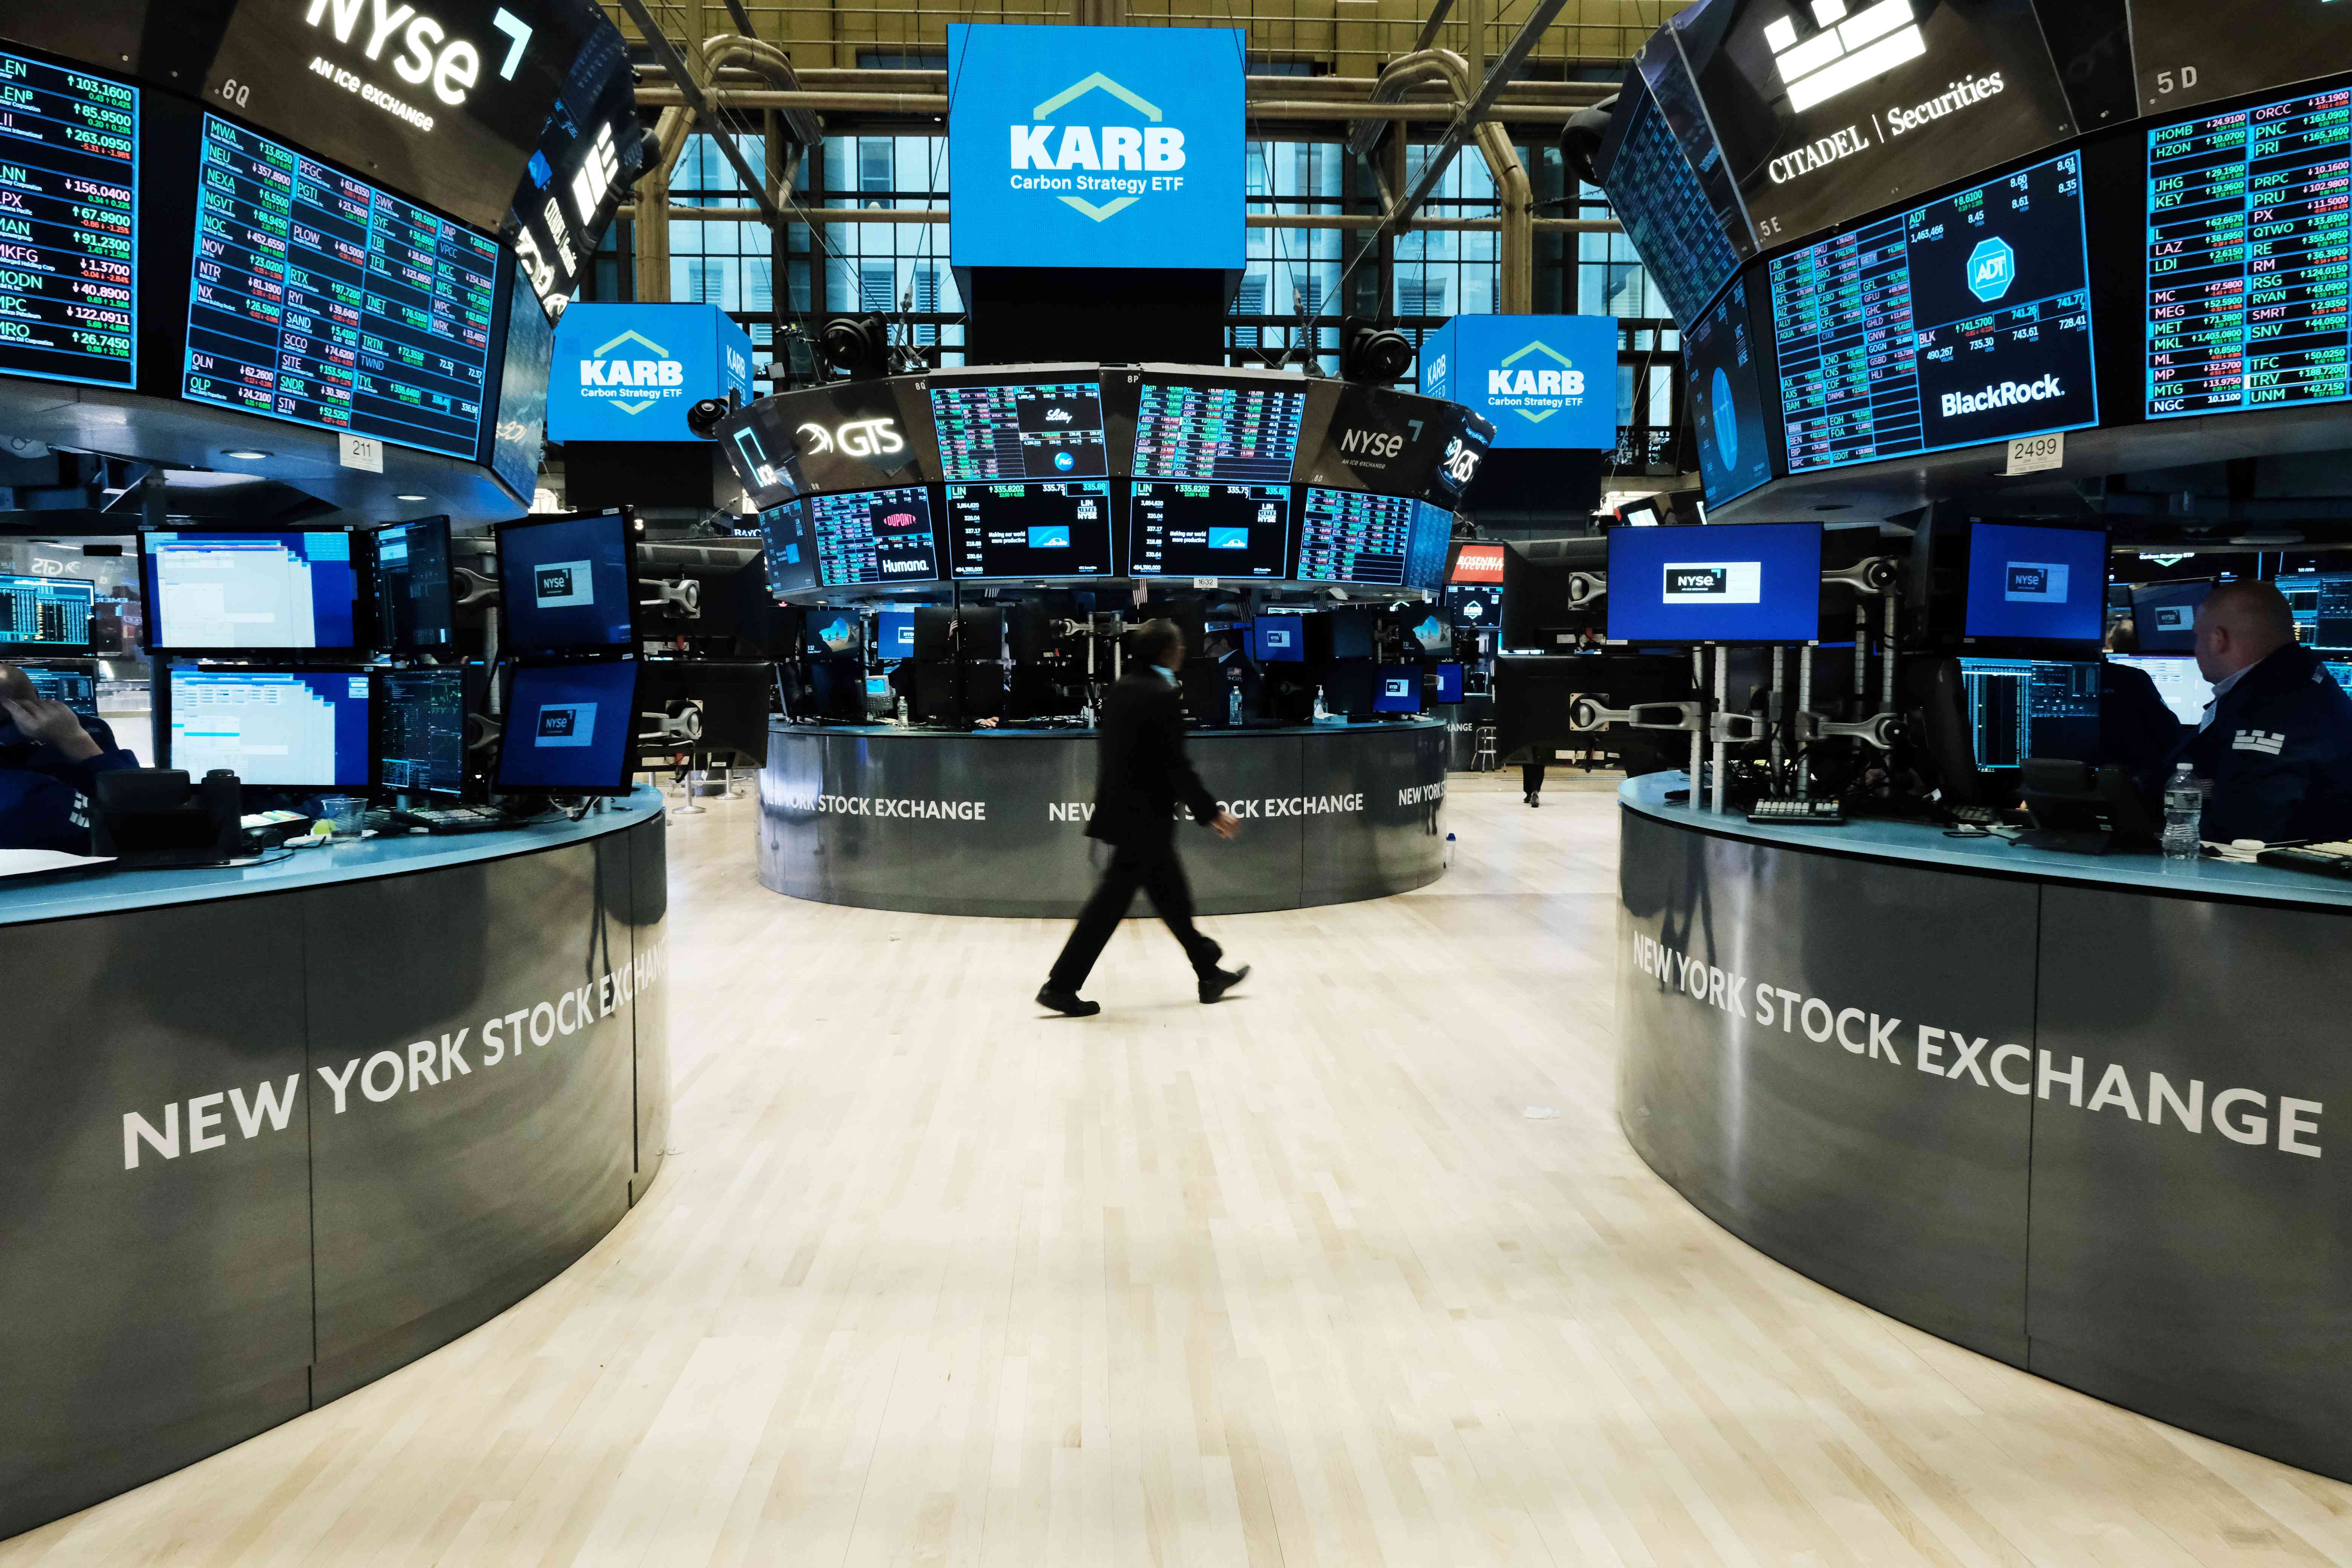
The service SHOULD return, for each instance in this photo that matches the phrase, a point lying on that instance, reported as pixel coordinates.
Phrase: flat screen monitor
(46, 614)
(1278, 640)
(569, 729)
(1352, 687)
(788, 548)
(420, 729)
(1000, 430)
(1432, 540)
(835, 633)
(2021, 707)
(2035, 585)
(1963, 322)
(1347, 536)
(2321, 603)
(1668, 219)
(568, 583)
(1428, 630)
(1449, 682)
(415, 601)
(76, 689)
(1727, 400)
(1203, 428)
(1744, 583)
(894, 634)
(1471, 605)
(218, 593)
(520, 437)
(2341, 672)
(283, 728)
(1178, 529)
(875, 536)
(2179, 681)
(70, 285)
(2165, 615)
(321, 300)
(1046, 528)
(2296, 40)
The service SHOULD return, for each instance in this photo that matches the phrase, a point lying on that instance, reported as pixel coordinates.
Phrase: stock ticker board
(1346, 536)
(1200, 430)
(69, 247)
(2249, 231)
(1667, 217)
(1959, 321)
(321, 300)
(1040, 430)
(875, 536)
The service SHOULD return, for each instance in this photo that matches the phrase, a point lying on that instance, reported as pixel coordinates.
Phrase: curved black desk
(2080, 1114)
(271, 1133)
(992, 822)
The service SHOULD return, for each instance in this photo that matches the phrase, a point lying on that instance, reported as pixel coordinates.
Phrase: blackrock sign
(1095, 146)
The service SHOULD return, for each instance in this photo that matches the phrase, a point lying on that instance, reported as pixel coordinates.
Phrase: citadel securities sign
(1543, 382)
(1095, 146)
(629, 373)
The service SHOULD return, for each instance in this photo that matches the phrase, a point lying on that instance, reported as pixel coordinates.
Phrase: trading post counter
(2090, 1116)
(994, 822)
(272, 1133)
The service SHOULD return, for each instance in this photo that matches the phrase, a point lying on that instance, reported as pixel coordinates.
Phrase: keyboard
(1977, 817)
(1788, 811)
(452, 818)
(2326, 859)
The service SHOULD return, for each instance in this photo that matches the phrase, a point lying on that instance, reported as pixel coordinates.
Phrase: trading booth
(958, 557)
(2011, 332)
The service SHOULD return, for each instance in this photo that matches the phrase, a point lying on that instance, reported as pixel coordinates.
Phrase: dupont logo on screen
(561, 582)
(1715, 582)
(2035, 582)
(567, 724)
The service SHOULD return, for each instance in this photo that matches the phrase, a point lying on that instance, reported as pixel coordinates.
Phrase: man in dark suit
(2277, 739)
(1141, 777)
(49, 761)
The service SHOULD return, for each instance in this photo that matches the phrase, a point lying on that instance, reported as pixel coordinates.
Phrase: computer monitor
(568, 583)
(2165, 615)
(249, 592)
(1745, 583)
(1051, 528)
(415, 603)
(894, 634)
(2033, 589)
(835, 633)
(1342, 634)
(2020, 707)
(46, 614)
(1351, 686)
(1473, 605)
(420, 731)
(569, 729)
(1426, 628)
(1449, 682)
(1400, 690)
(286, 728)
(732, 695)
(77, 690)
(2184, 688)
(837, 687)
(934, 634)
(1278, 640)
(1178, 529)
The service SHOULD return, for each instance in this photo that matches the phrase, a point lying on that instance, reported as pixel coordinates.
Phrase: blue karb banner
(629, 373)
(1544, 382)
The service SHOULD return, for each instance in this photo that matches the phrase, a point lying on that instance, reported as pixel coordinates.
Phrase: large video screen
(788, 548)
(1038, 430)
(69, 244)
(1196, 429)
(2185, 59)
(1962, 321)
(324, 301)
(1177, 530)
(2246, 244)
(1345, 536)
(1727, 400)
(1743, 582)
(1044, 530)
(875, 536)
(1667, 217)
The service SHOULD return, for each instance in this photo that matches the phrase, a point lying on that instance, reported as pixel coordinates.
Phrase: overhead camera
(858, 347)
(1581, 138)
(704, 417)
(1371, 353)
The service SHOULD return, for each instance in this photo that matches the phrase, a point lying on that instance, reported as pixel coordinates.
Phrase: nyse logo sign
(567, 724)
(562, 585)
(1713, 582)
(2035, 582)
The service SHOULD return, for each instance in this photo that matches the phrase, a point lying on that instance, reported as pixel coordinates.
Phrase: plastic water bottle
(1234, 706)
(2184, 808)
(1321, 712)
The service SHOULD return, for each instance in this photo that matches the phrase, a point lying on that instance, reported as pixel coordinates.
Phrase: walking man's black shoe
(1221, 980)
(1068, 1002)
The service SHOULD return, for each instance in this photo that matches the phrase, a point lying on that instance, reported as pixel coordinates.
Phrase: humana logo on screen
(1117, 164)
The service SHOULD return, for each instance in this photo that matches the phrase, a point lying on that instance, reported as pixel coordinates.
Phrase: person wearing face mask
(49, 761)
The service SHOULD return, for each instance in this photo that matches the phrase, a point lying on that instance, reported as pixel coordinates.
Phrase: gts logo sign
(427, 53)
(856, 438)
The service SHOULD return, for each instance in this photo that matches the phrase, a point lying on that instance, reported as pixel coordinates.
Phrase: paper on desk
(26, 862)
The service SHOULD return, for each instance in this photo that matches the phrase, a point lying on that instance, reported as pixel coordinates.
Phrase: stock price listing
(69, 255)
(879, 536)
(2249, 227)
(1961, 321)
(1041, 431)
(1203, 430)
(321, 300)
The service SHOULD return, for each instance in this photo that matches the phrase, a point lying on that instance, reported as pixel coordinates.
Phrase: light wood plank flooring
(1293, 1280)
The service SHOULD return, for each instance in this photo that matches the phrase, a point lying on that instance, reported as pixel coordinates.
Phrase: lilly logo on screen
(567, 724)
(1535, 394)
(1119, 162)
(634, 385)
(1847, 52)
(560, 584)
(2035, 582)
(1713, 582)
(1992, 268)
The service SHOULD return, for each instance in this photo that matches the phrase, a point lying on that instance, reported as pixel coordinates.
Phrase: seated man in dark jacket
(48, 759)
(2277, 741)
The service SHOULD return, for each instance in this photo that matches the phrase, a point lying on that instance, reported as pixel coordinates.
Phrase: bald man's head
(2238, 626)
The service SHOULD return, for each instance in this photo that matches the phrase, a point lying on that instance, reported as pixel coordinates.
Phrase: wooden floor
(1300, 1279)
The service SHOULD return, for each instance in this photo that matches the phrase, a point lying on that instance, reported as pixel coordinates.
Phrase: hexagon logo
(1992, 268)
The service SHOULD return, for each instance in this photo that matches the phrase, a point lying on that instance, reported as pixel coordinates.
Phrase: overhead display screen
(1347, 537)
(789, 549)
(1964, 321)
(519, 439)
(1653, 189)
(1040, 430)
(2185, 59)
(1199, 429)
(1831, 110)
(879, 536)
(2247, 243)
(1044, 530)
(321, 300)
(1725, 399)
(1748, 582)
(68, 249)
(1177, 530)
